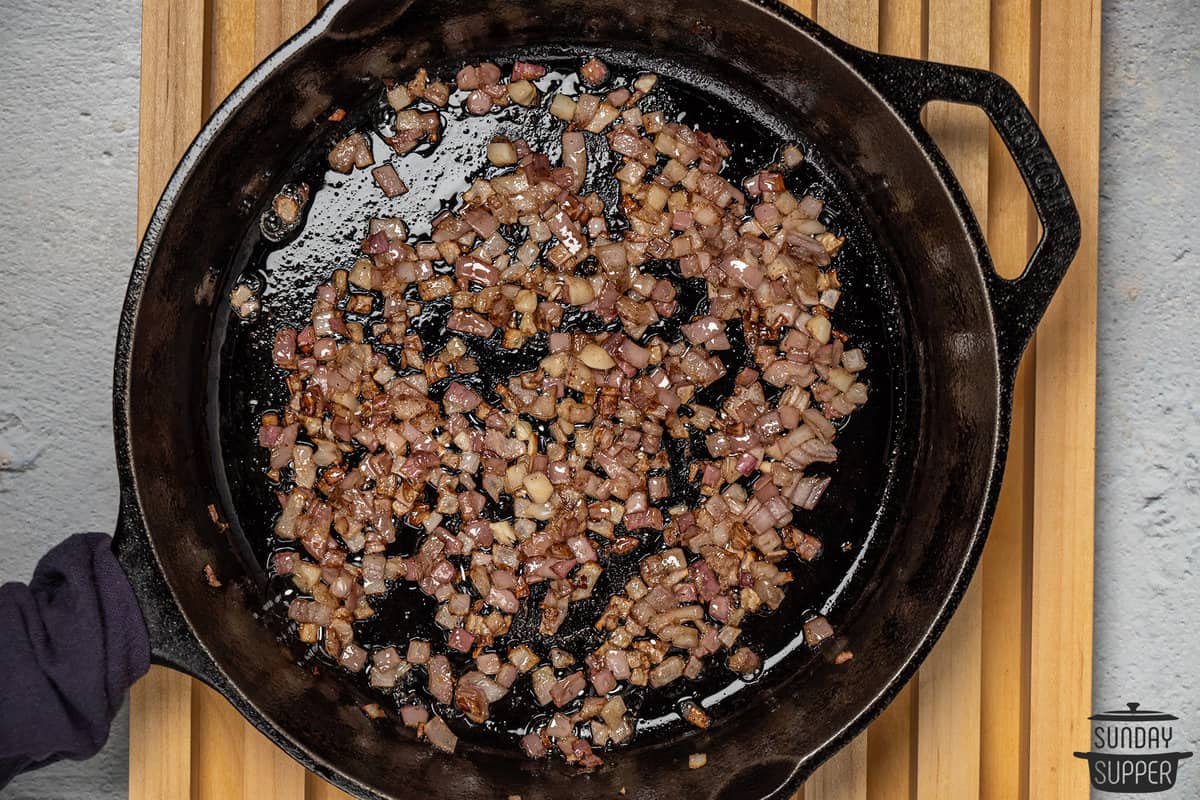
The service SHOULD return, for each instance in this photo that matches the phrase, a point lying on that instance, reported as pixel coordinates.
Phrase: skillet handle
(172, 643)
(1017, 304)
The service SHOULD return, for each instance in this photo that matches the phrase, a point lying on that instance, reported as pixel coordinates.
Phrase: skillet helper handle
(1017, 304)
(172, 643)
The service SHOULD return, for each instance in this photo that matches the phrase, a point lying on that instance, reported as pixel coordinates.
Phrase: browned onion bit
(543, 477)
(389, 181)
(285, 212)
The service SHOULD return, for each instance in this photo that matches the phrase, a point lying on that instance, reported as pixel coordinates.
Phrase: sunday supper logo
(1131, 751)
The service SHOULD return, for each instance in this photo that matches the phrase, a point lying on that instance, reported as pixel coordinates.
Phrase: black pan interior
(247, 383)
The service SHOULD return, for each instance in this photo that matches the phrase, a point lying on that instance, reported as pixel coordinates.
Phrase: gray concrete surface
(68, 86)
(68, 228)
(1148, 432)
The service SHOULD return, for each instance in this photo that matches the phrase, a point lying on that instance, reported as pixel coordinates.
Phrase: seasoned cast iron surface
(288, 272)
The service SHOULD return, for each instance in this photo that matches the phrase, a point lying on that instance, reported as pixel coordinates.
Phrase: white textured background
(1147, 644)
(68, 229)
(68, 145)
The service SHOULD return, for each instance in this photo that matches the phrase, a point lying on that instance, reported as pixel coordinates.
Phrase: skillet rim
(135, 546)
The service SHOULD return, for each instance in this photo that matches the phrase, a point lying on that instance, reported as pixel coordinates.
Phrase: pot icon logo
(1131, 751)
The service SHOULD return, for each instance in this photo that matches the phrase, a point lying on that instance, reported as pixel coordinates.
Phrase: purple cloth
(71, 644)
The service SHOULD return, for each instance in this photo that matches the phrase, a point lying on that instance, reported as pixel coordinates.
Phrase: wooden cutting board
(1002, 702)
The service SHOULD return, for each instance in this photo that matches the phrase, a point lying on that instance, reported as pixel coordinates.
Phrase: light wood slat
(232, 760)
(949, 682)
(270, 773)
(902, 28)
(1004, 707)
(171, 113)
(856, 21)
(171, 109)
(275, 22)
(217, 760)
(892, 739)
(231, 48)
(844, 777)
(892, 749)
(160, 755)
(317, 789)
(1063, 511)
(948, 708)
(806, 7)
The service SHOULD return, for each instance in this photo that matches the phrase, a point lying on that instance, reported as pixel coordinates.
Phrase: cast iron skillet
(913, 495)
